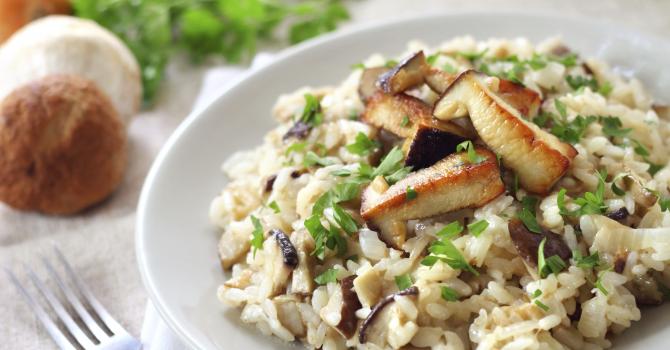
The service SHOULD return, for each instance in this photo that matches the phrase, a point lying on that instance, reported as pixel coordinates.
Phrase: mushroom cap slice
(367, 85)
(527, 243)
(350, 303)
(538, 157)
(375, 326)
(407, 74)
(450, 184)
(430, 145)
(439, 80)
(388, 111)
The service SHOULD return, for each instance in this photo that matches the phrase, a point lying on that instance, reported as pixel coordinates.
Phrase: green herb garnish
(275, 207)
(473, 156)
(410, 193)
(344, 219)
(403, 281)
(327, 276)
(257, 234)
(578, 82)
(586, 262)
(612, 127)
(405, 121)
(444, 250)
(450, 230)
(476, 228)
(541, 305)
(363, 145)
(553, 264)
(448, 294)
(529, 220)
(312, 159)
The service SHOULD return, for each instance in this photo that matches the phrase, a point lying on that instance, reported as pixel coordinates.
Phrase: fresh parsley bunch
(155, 29)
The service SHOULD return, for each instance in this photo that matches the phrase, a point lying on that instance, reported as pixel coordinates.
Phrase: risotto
(489, 195)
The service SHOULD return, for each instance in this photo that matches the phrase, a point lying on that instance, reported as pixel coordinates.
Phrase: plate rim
(286, 54)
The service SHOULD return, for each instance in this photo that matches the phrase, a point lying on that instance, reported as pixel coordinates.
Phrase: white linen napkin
(156, 335)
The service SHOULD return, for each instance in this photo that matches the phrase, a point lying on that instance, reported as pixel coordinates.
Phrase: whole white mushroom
(69, 45)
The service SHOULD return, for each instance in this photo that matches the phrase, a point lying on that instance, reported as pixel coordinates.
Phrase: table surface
(100, 242)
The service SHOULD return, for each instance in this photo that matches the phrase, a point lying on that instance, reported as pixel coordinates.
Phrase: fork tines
(90, 327)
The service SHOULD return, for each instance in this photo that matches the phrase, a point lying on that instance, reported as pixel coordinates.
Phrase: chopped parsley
(344, 219)
(578, 82)
(392, 167)
(665, 204)
(472, 56)
(296, 147)
(444, 250)
(404, 122)
(616, 189)
(450, 230)
(593, 202)
(536, 62)
(612, 127)
(257, 234)
(345, 192)
(327, 276)
(541, 305)
(468, 146)
(573, 131)
(449, 68)
(476, 228)
(553, 264)
(359, 65)
(605, 89)
(275, 207)
(569, 60)
(410, 193)
(516, 183)
(529, 220)
(390, 63)
(536, 293)
(363, 146)
(654, 168)
(311, 114)
(639, 148)
(431, 59)
(586, 262)
(560, 107)
(448, 294)
(403, 281)
(312, 159)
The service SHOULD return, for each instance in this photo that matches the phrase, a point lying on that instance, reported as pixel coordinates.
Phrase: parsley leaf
(536, 62)
(599, 281)
(560, 107)
(344, 219)
(448, 294)
(327, 276)
(541, 305)
(257, 234)
(473, 156)
(572, 131)
(363, 146)
(312, 159)
(450, 230)
(392, 167)
(472, 56)
(612, 127)
(560, 202)
(605, 89)
(665, 204)
(275, 207)
(311, 113)
(403, 281)
(586, 262)
(476, 228)
(296, 147)
(569, 60)
(553, 264)
(577, 82)
(445, 251)
(618, 191)
(536, 293)
(155, 30)
(593, 202)
(529, 220)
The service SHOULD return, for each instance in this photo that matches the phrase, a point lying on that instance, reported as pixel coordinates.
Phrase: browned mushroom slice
(525, 100)
(645, 289)
(407, 74)
(350, 303)
(375, 327)
(538, 157)
(429, 145)
(302, 279)
(367, 86)
(527, 243)
(450, 184)
(641, 194)
(402, 114)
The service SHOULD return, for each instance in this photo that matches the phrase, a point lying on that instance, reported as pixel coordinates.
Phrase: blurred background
(139, 68)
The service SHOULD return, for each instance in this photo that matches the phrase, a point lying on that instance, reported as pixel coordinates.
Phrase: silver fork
(106, 334)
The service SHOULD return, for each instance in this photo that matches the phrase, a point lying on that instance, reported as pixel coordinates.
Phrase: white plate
(176, 245)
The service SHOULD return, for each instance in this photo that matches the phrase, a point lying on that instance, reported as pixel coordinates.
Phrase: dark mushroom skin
(527, 242)
(377, 310)
(662, 111)
(367, 85)
(350, 304)
(645, 290)
(407, 74)
(288, 251)
(619, 214)
(270, 182)
(620, 263)
(299, 130)
(430, 145)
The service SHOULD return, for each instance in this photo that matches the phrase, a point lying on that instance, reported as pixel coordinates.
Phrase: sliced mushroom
(350, 303)
(619, 214)
(375, 326)
(367, 86)
(645, 289)
(233, 246)
(527, 243)
(429, 145)
(439, 80)
(368, 287)
(402, 114)
(299, 130)
(663, 111)
(407, 74)
(302, 281)
(276, 272)
(289, 254)
(450, 184)
(641, 194)
(537, 157)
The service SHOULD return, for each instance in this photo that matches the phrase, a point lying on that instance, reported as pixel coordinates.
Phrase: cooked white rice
(578, 308)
